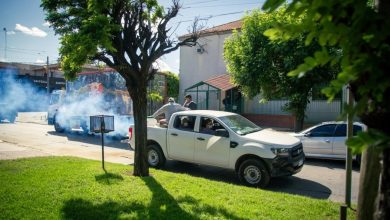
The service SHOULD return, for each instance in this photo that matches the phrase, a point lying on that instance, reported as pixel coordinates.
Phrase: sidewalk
(32, 117)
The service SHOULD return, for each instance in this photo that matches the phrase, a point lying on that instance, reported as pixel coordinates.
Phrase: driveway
(320, 179)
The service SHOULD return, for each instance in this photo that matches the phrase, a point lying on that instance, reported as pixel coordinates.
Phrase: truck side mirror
(221, 133)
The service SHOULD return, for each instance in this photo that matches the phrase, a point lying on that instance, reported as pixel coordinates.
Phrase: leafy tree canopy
(173, 84)
(260, 66)
(362, 34)
(361, 29)
(127, 35)
(120, 33)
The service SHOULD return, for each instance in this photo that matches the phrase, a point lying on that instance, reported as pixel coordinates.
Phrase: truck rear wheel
(155, 156)
(57, 127)
(252, 172)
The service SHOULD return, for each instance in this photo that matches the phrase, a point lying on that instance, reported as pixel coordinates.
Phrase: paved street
(318, 179)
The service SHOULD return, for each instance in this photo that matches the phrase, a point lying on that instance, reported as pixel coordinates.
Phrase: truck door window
(207, 126)
(341, 130)
(323, 131)
(356, 129)
(184, 122)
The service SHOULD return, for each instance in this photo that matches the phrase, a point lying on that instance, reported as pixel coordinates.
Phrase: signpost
(102, 124)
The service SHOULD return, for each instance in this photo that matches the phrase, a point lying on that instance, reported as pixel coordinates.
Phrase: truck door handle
(173, 134)
(327, 141)
(233, 144)
(200, 138)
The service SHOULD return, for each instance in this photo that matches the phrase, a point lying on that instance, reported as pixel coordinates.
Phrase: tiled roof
(220, 28)
(221, 82)
(224, 27)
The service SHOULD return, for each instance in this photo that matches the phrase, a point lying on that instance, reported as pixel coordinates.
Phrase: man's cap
(171, 99)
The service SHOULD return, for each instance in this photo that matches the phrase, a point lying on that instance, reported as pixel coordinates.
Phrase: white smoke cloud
(34, 31)
(96, 94)
(77, 111)
(19, 95)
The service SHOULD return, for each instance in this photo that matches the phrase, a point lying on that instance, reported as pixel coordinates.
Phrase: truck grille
(297, 150)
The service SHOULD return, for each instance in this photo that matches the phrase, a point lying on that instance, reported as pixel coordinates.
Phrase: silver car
(327, 139)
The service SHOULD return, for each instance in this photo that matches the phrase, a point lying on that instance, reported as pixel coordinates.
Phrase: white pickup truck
(226, 140)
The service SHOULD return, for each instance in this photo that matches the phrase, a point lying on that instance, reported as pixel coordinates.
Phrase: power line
(201, 2)
(207, 17)
(224, 5)
(21, 49)
(10, 51)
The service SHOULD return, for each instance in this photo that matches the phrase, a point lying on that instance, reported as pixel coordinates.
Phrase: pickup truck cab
(227, 140)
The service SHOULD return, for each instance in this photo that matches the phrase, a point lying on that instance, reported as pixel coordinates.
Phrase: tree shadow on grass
(108, 178)
(163, 203)
(162, 206)
(83, 209)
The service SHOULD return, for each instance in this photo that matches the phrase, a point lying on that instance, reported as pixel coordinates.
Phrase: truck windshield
(54, 98)
(239, 124)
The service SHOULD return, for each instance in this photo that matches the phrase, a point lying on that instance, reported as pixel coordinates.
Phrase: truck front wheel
(156, 158)
(252, 172)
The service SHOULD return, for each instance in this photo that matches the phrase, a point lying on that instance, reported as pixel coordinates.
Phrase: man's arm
(159, 111)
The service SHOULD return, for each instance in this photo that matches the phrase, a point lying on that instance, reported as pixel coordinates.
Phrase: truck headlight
(283, 152)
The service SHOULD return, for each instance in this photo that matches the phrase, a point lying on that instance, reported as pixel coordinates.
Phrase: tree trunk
(369, 182)
(298, 123)
(383, 211)
(138, 96)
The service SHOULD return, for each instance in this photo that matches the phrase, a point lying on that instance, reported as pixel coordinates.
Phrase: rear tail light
(130, 133)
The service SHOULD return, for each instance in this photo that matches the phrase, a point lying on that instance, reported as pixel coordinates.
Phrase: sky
(26, 37)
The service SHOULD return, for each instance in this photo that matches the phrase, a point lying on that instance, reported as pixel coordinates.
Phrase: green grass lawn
(73, 188)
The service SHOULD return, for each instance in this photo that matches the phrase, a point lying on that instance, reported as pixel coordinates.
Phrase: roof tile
(221, 82)
(220, 28)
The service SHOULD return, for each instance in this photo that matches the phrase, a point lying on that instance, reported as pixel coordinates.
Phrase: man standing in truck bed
(168, 110)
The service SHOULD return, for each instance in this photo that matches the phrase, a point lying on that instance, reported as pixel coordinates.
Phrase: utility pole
(48, 76)
(348, 161)
(5, 47)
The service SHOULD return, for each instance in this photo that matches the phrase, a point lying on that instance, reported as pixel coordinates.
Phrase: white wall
(316, 111)
(196, 67)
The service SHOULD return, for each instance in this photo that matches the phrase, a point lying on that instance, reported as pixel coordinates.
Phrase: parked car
(226, 140)
(327, 139)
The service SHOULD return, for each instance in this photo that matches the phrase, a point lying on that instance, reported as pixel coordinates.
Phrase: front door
(209, 148)
(319, 140)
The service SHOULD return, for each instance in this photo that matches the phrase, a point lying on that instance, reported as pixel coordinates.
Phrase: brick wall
(277, 121)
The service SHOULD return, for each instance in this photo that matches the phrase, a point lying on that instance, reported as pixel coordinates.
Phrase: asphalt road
(322, 179)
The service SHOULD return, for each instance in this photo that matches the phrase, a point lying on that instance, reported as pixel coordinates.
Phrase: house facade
(35, 74)
(203, 74)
